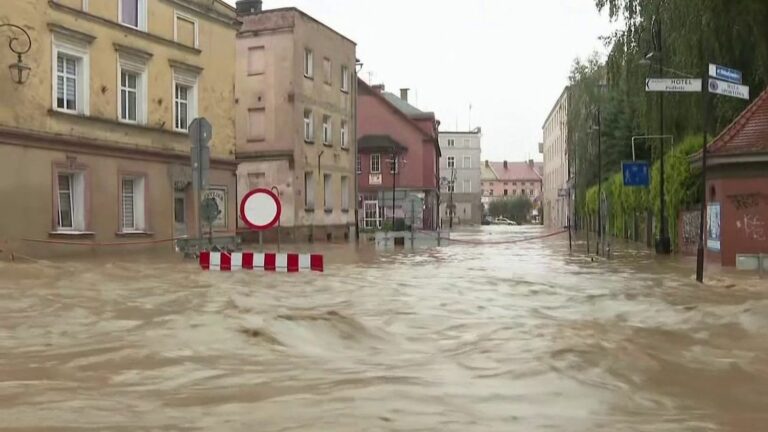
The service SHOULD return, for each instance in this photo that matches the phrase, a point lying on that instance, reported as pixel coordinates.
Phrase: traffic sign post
(636, 173)
(200, 134)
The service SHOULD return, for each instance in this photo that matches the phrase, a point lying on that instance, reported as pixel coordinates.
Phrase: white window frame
(375, 157)
(309, 63)
(344, 132)
(328, 192)
(450, 162)
(85, 5)
(137, 66)
(82, 93)
(309, 126)
(142, 18)
(451, 142)
(186, 79)
(359, 164)
(344, 193)
(309, 190)
(77, 201)
(327, 130)
(180, 15)
(345, 78)
(138, 195)
(464, 162)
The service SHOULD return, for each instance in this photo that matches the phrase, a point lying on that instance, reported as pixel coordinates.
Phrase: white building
(556, 173)
(460, 171)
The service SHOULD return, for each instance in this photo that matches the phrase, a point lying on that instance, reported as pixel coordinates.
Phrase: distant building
(295, 118)
(502, 180)
(460, 171)
(398, 160)
(556, 172)
(737, 189)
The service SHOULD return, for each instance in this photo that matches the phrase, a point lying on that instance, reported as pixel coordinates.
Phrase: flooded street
(461, 338)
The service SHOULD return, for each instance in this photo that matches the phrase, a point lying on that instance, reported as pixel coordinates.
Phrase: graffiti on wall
(749, 220)
(689, 231)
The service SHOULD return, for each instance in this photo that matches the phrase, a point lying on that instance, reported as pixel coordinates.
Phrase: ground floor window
(70, 201)
(132, 204)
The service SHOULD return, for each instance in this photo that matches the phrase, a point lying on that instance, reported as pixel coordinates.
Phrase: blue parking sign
(636, 173)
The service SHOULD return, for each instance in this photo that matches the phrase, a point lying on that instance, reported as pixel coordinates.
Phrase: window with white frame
(327, 130)
(133, 89)
(309, 190)
(70, 200)
(185, 30)
(451, 161)
(132, 204)
(451, 142)
(344, 134)
(309, 126)
(133, 13)
(467, 162)
(375, 163)
(359, 165)
(309, 63)
(344, 193)
(71, 81)
(327, 192)
(344, 79)
(184, 99)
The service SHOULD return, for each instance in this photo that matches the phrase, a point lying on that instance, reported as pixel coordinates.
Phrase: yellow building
(94, 146)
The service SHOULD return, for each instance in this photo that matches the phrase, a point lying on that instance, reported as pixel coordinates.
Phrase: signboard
(200, 134)
(219, 195)
(728, 89)
(713, 226)
(673, 85)
(636, 174)
(260, 209)
(374, 179)
(725, 73)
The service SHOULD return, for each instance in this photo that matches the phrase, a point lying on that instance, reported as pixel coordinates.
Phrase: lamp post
(358, 68)
(19, 70)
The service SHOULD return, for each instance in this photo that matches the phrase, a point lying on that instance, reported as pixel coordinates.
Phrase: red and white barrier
(274, 262)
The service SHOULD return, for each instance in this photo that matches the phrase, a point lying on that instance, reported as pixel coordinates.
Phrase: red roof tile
(747, 134)
(515, 171)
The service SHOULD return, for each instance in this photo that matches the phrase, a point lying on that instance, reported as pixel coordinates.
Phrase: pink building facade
(398, 155)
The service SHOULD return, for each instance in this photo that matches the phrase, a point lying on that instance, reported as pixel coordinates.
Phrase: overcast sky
(509, 59)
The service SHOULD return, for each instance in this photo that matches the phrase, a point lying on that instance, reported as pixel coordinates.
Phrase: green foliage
(516, 209)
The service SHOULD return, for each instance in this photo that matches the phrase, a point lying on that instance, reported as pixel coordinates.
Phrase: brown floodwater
(467, 337)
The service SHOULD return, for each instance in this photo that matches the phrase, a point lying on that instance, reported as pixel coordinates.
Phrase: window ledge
(345, 91)
(345, 148)
(309, 210)
(309, 77)
(345, 211)
(71, 234)
(256, 140)
(328, 211)
(309, 142)
(328, 144)
(134, 234)
(115, 122)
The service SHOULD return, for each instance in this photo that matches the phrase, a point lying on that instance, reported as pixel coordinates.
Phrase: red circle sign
(260, 209)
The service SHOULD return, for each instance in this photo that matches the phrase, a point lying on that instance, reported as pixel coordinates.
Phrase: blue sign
(725, 73)
(636, 174)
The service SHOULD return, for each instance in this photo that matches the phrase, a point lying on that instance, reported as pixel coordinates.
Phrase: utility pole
(664, 245)
(703, 211)
(452, 187)
(393, 170)
(599, 180)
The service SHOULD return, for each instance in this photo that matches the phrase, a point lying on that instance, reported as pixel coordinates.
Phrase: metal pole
(276, 190)
(570, 240)
(599, 178)
(393, 165)
(198, 187)
(452, 186)
(703, 211)
(664, 246)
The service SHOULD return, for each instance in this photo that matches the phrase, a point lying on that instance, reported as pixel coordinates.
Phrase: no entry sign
(260, 209)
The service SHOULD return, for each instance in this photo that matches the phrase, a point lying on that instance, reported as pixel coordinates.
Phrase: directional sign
(673, 85)
(725, 73)
(209, 210)
(728, 89)
(260, 209)
(200, 131)
(636, 174)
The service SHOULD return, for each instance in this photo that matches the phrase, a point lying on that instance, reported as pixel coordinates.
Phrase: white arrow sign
(673, 85)
(728, 89)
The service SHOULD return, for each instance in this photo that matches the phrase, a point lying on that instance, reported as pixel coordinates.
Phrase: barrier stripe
(271, 262)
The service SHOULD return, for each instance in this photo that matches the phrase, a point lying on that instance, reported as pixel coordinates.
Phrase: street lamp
(19, 70)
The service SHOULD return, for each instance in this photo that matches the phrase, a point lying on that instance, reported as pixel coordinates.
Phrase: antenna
(470, 117)
(370, 77)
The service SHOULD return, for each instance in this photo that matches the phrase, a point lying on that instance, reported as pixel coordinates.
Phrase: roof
(380, 142)
(515, 171)
(486, 173)
(476, 131)
(298, 11)
(748, 134)
(402, 105)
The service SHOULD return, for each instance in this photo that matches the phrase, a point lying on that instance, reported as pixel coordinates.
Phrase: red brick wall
(743, 215)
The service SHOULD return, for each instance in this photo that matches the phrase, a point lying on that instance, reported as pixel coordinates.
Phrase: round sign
(260, 209)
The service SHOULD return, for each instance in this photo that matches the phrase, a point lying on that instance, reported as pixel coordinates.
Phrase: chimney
(487, 164)
(404, 94)
(506, 165)
(530, 163)
(378, 87)
(248, 7)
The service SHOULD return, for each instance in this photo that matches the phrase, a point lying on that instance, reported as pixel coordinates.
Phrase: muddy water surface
(460, 338)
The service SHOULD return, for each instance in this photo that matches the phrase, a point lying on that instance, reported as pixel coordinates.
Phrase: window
(256, 124)
(394, 164)
(531, 192)
(327, 71)
(184, 99)
(132, 204)
(309, 60)
(133, 13)
(133, 89)
(490, 192)
(451, 162)
(327, 130)
(344, 79)
(185, 30)
(451, 186)
(344, 135)
(309, 189)
(451, 142)
(467, 162)
(70, 194)
(506, 192)
(467, 186)
(327, 192)
(359, 162)
(67, 82)
(375, 163)
(256, 60)
(71, 81)
(344, 193)
(309, 126)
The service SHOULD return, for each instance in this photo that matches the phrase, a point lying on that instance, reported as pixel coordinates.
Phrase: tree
(516, 209)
